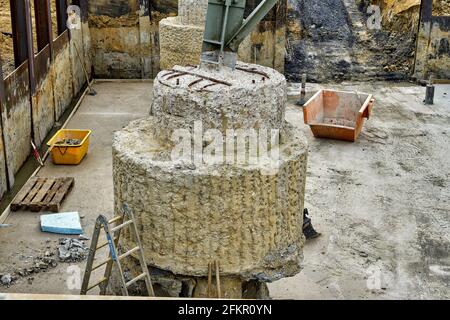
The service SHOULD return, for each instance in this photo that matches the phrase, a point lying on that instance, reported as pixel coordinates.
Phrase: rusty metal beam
(61, 15)
(43, 23)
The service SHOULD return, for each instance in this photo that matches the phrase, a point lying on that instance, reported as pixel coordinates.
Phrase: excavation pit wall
(247, 215)
(25, 115)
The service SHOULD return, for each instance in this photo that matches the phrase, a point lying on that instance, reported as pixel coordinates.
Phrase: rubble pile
(72, 250)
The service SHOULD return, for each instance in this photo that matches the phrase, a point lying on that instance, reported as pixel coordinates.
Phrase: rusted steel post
(23, 36)
(43, 24)
(61, 15)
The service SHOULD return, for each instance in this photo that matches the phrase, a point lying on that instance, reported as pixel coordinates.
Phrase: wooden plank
(16, 203)
(36, 204)
(33, 191)
(61, 194)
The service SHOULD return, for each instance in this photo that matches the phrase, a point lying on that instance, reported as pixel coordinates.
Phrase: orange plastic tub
(69, 154)
(337, 114)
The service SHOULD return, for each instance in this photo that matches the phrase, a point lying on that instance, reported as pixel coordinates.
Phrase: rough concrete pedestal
(244, 209)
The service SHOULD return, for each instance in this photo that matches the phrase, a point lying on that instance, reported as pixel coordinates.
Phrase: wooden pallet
(42, 194)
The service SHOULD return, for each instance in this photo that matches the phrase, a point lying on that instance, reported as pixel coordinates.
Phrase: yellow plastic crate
(67, 153)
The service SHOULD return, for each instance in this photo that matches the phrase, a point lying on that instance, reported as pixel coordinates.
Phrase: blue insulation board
(63, 223)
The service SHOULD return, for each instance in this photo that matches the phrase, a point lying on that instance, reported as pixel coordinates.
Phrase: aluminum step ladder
(126, 219)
